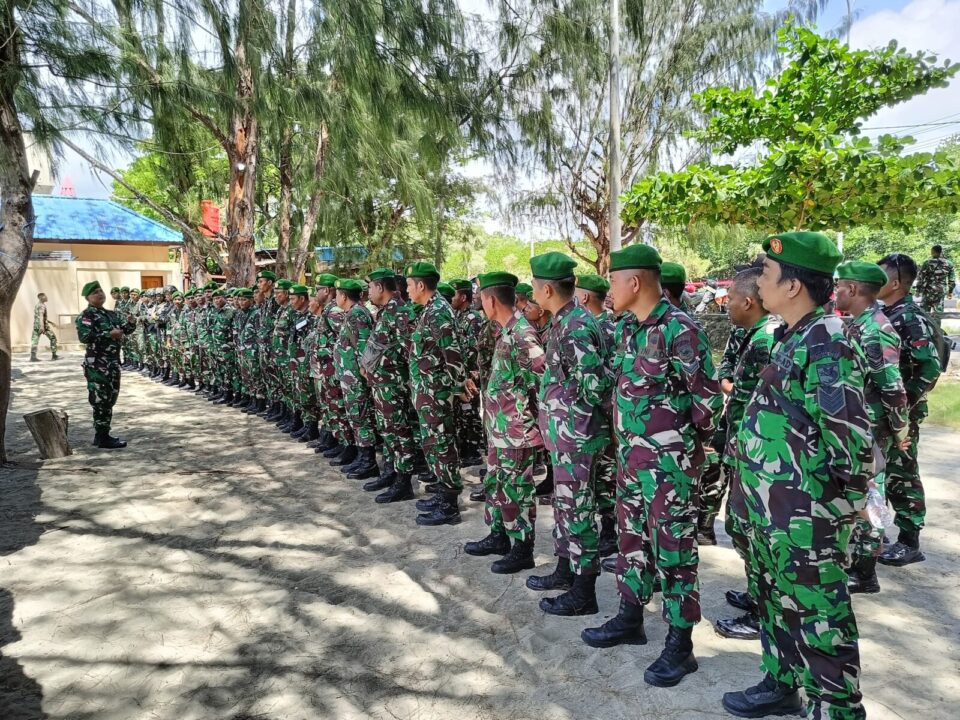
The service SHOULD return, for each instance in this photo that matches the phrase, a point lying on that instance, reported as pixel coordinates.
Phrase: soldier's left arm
(883, 359)
(445, 334)
(693, 362)
(583, 352)
(919, 343)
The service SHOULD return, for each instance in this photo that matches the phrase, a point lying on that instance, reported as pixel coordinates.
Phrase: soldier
(856, 294)
(271, 409)
(591, 292)
(349, 347)
(758, 332)
(804, 453)
(575, 431)
(101, 330)
(673, 280)
(510, 418)
(436, 382)
(175, 332)
(41, 326)
(132, 341)
(252, 304)
(665, 399)
(935, 281)
(920, 369)
(242, 388)
(446, 291)
(286, 418)
(125, 307)
(524, 294)
(115, 296)
(384, 366)
(470, 322)
(343, 451)
(302, 395)
(224, 348)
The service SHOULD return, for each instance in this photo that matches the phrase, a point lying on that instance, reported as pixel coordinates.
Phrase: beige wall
(62, 282)
(110, 253)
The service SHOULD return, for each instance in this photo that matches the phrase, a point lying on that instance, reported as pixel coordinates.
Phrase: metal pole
(614, 139)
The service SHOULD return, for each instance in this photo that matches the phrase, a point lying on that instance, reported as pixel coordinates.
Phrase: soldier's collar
(659, 310)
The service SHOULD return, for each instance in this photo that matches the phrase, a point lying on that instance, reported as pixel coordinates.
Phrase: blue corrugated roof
(68, 218)
(355, 253)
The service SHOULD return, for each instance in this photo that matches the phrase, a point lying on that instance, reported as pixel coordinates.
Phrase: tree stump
(49, 430)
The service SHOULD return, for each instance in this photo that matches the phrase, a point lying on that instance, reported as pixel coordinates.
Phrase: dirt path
(215, 569)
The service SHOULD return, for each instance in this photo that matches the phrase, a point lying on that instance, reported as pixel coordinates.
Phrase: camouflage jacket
(666, 392)
(919, 359)
(576, 381)
(510, 395)
(282, 330)
(248, 339)
(39, 317)
(436, 362)
(93, 330)
(323, 337)
(804, 450)
(883, 388)
(298, 347)
(485, 346)
(240, 320)
(221, 331)
(352, 341)
(731, 353)
(387, 338)
(469, 325)
(936, 279)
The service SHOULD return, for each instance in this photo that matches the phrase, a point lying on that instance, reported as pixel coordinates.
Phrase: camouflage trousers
(130, 353)
(393, 422)
(438, 435)
(606, 484)
(657, 526)
(933, 306)
(574, 510)
(866, 541)
(904, 489)
(737, 528)
(35, 340)
(470, 436)
(225, 369)
(359, 409)
(510, 505)
(103, 389)
(267, 375)
(808, 631)
(332, 413)
(713, 484)
(304, 397)
(191, 362)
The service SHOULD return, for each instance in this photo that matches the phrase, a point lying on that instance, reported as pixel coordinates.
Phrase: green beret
(283, 284)
(244, 293)
(90, 287)
(635, 257)
(349, 284)
(124, 289)
(459, 284)
(381, 274)
(326, 280)
(446, 289)
(422, 269)
(217, 293)
(593, 283)
(299, 290)
(266, 275)
(552, 266)
(524, 289)
(808, 250)
(497, 277)
(671, 272)
(861, 271)
(176, 294)
(135, 290)
(212, 285)
(114, 289)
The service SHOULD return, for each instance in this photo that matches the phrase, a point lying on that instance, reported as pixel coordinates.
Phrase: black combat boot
(676, 660)
(251, 406)
(296, 424)
(478, 494)
(276, 410)
(356, 462)
(496, 543)
(166, 374)
(226, 398)
(608, 535)
(904, 551)
(402, 489)
(310, 434)
(519, 558)
(863, 576)
(285, 417)
(706, 535)
(581, 599)
(54, 356)
(347, 456)
(471, 460)
(104, 440)
(325, 441)
(624, 628)
(768, 697)
(609, 564)
(192, 384)
(173, 380)
(745, 627)
(431, 502)
(332, 452)
(298, 432)
(385, 480)
(741, 600)
(366, 466)
(33, 356)
(215, 393)
(560, 579)
(447, 511)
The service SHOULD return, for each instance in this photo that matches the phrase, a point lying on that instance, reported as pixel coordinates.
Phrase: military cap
(349, 284)
(861, 271)
(381, 274)
(212, 285)
(283, 284)
(266, 275)
(90, 287)
(176, 294)
(552, 266)
(134, 290)
(114, 289)
(497, 277)
(671, 272)
(635, 257)
(217, 293)
(807, 250)
(124, 289)
(524, 289)
(297, 289)
(244, 293)
(593, 283)
(422, 269)
(459, 284)
(326, 280)
(446, 289)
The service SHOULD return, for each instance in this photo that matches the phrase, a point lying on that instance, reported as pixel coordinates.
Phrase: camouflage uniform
(280, 359)
(266, 367)
(388, 386)
(191, 349)
(42, 327)
(101, 363)
(470, 437)
(575, 429)
(240, 384)
(436, 378)
(333, 413)
(804, 453)
(352, 341)
(607, 462)
(248, 353)
(510, 420)
(935, 281)
(303, 394)
(920, 370)
(665, 400)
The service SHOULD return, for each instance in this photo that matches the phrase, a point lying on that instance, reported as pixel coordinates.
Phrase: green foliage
(481, 251)
(816, 171)
(944, 404)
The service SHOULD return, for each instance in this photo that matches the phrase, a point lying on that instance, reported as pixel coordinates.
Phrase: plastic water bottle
(880, 515)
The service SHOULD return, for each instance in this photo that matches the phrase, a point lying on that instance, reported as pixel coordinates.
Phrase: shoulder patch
(829, 373)
(684, 350)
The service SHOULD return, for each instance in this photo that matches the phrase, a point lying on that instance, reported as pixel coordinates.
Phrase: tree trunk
(313, 210)
(243, 152)
(286, 202)
(16, 205)
(49, 430)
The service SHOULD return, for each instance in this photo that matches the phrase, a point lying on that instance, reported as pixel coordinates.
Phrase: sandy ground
(215, 569)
